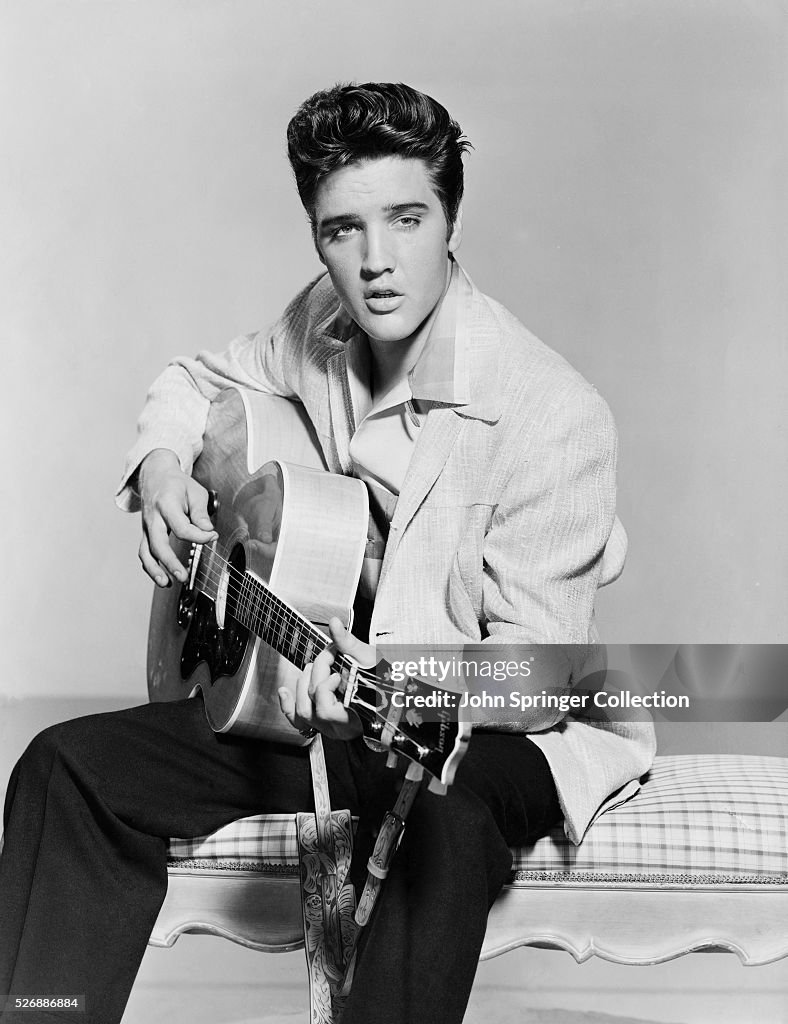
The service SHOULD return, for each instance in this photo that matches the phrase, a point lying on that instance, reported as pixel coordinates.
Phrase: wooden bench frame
(559, 901)
(604, 920)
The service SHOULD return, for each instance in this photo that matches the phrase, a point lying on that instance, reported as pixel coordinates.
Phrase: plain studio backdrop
(625, 199)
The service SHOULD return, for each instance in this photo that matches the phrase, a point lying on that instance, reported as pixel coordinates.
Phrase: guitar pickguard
(214, 635)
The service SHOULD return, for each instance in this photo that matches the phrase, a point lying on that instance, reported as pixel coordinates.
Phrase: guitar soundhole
(216, 634)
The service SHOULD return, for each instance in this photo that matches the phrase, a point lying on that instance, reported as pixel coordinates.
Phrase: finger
(178, 522)
(160, 549)
(325, 700)
(151, 566)
(304, 708)
(197, 507)
(287, 704)
(320, 669)
(346, 642)
(330, 710)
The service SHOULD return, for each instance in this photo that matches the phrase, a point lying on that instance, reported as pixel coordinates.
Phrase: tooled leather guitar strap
(328, 900)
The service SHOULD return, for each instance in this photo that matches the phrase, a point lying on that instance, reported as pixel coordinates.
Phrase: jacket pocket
(465, 596)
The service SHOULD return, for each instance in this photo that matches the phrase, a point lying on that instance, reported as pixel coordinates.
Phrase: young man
(490, 465)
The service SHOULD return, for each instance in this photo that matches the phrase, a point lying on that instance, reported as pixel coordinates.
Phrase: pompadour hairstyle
(347, 123)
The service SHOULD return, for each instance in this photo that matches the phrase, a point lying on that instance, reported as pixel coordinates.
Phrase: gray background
(625, 200)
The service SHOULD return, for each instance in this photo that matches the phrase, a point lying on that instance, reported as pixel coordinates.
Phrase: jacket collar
(458, 366)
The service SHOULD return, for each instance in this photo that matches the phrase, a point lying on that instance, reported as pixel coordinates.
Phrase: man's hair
(348, 123)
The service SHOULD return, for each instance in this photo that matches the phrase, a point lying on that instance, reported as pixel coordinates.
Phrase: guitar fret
(281, 633)
(238, 611)
(242, 602)
(289, 628)
(281, 627)
(250, 612)
(286, 631)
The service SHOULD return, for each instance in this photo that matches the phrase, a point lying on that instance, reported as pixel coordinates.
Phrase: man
(490, 465)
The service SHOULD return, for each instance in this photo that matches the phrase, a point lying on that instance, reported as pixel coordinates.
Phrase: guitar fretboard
(281, 626)
(436, 744)
(258, 609)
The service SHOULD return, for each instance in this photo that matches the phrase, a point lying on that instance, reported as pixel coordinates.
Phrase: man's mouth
(382, 300)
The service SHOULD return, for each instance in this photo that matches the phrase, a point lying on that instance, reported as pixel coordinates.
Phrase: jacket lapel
(438, 435)
(341, 409)
(335, 332)
(478, 341)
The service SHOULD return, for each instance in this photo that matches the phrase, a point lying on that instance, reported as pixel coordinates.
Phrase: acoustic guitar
(253, 612)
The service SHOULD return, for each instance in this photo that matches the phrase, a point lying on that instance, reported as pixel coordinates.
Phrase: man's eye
(343, 230)
(409, 222)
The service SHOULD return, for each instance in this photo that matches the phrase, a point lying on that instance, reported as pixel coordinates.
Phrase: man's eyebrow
(414, 205)
(341, 218)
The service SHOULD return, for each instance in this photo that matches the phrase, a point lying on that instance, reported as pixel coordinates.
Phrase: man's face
(381, 232)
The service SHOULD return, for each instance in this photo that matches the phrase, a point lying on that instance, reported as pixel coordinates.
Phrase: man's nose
(379, 256)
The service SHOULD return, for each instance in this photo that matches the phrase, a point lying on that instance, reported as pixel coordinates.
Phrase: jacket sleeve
(176, 408)
(544, 550)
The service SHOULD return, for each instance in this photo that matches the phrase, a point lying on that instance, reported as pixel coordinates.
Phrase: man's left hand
(316, 705)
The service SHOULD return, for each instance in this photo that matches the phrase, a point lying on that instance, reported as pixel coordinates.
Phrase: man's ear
(455, 237)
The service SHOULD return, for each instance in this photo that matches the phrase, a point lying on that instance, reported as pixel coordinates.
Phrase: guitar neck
(283, 628)
(437, 745)
(257, 608)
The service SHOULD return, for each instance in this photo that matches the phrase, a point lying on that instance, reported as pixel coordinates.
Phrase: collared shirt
(385, 432)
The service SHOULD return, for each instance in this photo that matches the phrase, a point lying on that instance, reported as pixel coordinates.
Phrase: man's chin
(388, 330)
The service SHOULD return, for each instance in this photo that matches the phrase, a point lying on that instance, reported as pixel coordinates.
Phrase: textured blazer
(505, 525)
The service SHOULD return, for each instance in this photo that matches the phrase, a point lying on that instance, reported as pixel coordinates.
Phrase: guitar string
(209, 574)
(275, 612)
(277, 624)
(280, 618)
(295, 641)
(358, 701)
(270, 600)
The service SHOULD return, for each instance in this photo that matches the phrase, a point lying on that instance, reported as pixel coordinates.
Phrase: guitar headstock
(412, 718)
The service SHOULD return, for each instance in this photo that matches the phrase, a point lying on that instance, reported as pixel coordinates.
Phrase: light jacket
(505, 525)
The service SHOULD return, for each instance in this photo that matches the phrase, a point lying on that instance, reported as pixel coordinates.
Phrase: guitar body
(288, 523)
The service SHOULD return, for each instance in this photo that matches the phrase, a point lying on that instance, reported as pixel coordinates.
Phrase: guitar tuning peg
(391, 760)
(437, 787)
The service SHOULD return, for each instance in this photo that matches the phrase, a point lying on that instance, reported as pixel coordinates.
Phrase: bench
(697, 860)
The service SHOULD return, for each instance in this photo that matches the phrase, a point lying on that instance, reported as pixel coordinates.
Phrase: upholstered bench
(698, 859)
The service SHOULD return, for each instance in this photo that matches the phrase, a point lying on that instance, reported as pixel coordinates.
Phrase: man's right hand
(172, 502)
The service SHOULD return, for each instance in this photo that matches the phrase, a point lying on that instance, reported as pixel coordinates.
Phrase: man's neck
(392, 362)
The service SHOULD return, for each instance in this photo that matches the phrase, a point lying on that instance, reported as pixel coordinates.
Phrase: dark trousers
(92, 803)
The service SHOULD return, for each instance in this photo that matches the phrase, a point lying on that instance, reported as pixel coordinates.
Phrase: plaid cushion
(698, 819)
(262, 841)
